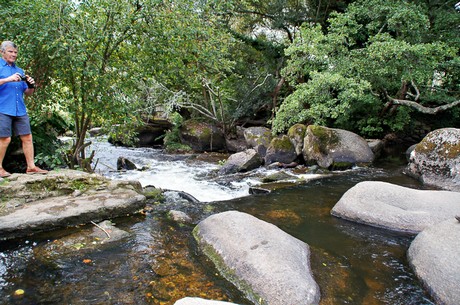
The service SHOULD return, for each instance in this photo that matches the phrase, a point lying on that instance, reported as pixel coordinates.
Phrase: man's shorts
(20, 125)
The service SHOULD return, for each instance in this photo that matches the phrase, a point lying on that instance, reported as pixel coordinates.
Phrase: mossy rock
(296, 134)
(202, 136)
(335, 148)
(436, 159)
(280, 150)
(257, 136)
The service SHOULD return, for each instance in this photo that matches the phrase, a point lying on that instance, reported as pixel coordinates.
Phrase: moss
(198, 129)
(62, 187)
(452, 150)
(227, 272)
(297, 130)
(341, 166)
(446, 150)
(425, 146)
(155, 194)
(282, 143)
(260, 139)
(327, 138)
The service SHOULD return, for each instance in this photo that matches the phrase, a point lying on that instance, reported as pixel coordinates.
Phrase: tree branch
(421, 108)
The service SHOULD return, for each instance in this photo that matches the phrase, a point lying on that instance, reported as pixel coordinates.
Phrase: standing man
(13, 114)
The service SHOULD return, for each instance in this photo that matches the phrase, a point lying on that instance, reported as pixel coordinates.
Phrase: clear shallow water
(159, 263)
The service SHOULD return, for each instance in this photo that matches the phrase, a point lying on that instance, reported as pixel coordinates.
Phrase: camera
(23, 77)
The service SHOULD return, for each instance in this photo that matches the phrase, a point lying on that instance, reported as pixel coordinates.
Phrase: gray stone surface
(436, 159)
(35, 203)
(435, 257)
(199, 301)
(280, 150)
(296, 134)
(202, 136)
(268, 265)
(241, 162)
(394, 207)
(258, 138)
(335, 147)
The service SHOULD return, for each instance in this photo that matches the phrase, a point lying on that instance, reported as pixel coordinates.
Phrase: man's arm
(13, 78)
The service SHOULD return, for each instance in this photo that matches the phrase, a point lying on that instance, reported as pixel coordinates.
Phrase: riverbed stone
(258, 138)
(179, 217)
(241, 162)
(202, 136)
(436, 159)
(434, 256)
(268, 265)
(36, 203)
(335, 148)
(280, 150)
(394, 207)
(200, 301)
(296, 134)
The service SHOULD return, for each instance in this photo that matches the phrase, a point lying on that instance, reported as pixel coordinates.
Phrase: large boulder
(236, 142)
(152, 133)
(241, 162)
(436, 159)
(35, 203)
(296, 134)
(280, 150)
(434, 256)
(393, 207)
(202, 136)
(258, 138)
(335, 148)
(268, 265)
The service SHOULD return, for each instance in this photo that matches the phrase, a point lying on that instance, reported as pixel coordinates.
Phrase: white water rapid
(173, 172)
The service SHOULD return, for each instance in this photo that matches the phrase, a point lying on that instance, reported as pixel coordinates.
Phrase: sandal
(4, 173)
(36, 170)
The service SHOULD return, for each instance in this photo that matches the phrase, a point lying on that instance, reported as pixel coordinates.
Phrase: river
(160, 263)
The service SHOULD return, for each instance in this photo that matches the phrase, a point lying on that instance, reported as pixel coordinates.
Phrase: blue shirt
(12, 93)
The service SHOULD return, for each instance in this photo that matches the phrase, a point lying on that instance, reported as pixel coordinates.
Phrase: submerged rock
(179, 216)
(199, 301)
(436, 159)
(434, 256)
(397, 208)
(268, 265)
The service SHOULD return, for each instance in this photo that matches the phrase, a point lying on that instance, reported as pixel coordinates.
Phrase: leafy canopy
(373, 57)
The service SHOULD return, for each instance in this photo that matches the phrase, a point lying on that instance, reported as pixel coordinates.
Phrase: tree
(373, 58)
(266, 28)
(83, 50)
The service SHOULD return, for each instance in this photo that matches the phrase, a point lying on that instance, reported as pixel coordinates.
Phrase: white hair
(6, 44)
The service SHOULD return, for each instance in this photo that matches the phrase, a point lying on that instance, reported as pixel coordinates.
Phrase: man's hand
(30, 81)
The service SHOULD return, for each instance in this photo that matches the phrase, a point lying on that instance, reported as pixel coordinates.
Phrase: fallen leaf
(87, 261)
(19, 292)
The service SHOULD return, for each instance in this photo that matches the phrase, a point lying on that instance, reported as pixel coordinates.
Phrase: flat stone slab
(35, 203)
(435, 257)
(268, 265)
(397, 208)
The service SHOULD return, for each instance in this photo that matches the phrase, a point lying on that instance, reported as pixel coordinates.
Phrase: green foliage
(172, 140)
(374, 53)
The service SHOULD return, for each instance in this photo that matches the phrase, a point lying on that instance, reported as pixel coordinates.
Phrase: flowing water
(160, 263)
